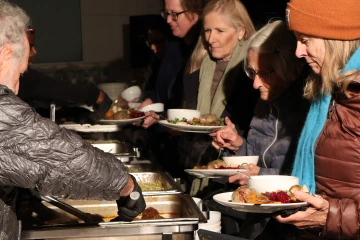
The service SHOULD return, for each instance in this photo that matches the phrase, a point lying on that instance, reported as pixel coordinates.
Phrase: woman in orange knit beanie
(328, 155)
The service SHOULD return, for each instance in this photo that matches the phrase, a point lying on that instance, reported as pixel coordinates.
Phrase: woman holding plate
(328, 153)
(278, 118)
(280, 113)
(217, 83)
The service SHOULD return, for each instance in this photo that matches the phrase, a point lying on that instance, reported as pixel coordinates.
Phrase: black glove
(100, 109)
(128, 214)
(99, 112)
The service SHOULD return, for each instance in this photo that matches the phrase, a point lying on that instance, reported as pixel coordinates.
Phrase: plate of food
(120, 114)
(188, 120)
(249, 200)
(188, 127)
(213, 172)
(122, 121)
(215, 169)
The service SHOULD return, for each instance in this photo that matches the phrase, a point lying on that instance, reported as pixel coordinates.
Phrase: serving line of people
(323, 155)
(37, 153)
(326, 159)
(313, 137)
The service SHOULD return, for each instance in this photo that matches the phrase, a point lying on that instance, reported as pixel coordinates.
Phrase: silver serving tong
(86, 217)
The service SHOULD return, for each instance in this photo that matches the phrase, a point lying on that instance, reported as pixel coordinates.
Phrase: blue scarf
(304, 167)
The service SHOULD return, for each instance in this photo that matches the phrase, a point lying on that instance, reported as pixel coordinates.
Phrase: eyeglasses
(31, 30)
(173, 15)
(251, 73)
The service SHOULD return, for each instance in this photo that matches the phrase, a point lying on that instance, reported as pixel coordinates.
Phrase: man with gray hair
(37, 153)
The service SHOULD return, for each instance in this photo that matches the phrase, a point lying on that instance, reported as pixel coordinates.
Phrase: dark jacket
(273, 136)
(37, 153)
(36, 86)
(168, 85)
(337, 165)
(275, 130)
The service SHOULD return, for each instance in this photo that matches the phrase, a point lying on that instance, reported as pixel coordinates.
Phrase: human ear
(195, 17)
(241, 33)
(5, 55)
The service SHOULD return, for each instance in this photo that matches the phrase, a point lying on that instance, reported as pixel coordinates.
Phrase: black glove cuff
(137, 188)
(124, 199)
(104, 106)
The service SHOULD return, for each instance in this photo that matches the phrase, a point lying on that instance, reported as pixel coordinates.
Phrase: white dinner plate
(225, 199)
(212, 173)
(122, 122)
(189, 128)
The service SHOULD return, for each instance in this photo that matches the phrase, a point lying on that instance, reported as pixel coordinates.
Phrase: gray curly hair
(13, 25)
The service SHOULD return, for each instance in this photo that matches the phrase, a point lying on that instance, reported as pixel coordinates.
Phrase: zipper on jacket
(331, 108)
(276, 133)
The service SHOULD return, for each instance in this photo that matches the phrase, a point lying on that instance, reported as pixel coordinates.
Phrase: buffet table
(180, 213)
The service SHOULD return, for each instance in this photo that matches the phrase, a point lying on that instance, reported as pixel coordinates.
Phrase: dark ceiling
(261, 11)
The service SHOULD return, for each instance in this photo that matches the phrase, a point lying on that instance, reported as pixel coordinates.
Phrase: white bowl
(271, 183)
(131, 94)
(189, 114)
(214, 217)
(210, 226)
(156, 107)
(239, 160)
(134, 105)
(113, 90)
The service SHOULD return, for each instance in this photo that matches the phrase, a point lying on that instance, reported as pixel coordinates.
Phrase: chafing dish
(117, 148)
(91, 128)
(181, 216)
(156, 183)
(137, 168)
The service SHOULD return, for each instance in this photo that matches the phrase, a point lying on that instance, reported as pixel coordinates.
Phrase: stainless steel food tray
(167, 183)
(180, 213)
(91, 128)
(118, 149)
(137, 168)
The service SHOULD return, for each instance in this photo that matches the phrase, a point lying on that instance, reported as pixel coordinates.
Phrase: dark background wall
(100, 31)
(58, 29)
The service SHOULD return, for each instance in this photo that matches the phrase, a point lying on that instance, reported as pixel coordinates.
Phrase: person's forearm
(128, 187)
(342, 220)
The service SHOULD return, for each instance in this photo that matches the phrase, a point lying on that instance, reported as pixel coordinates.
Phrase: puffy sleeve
(343, 219)
(37, 153)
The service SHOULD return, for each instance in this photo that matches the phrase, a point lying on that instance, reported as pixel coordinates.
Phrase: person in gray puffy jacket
(36, 154)
(281, 110)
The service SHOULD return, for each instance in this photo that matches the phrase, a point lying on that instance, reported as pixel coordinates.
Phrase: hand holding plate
(314, 216)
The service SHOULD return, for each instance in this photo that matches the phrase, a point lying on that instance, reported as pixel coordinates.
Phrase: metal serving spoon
(220, 151)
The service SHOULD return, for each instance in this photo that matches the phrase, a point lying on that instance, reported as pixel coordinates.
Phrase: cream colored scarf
(207, 70)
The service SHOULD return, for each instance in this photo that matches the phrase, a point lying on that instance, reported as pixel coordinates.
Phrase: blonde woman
(216, 78)
(328, 155)
(218, 84)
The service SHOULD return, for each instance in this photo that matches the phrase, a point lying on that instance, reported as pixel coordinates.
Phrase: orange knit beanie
(330, 19)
